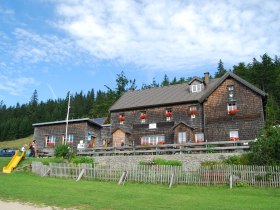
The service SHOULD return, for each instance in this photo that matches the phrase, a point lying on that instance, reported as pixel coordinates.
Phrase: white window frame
(199, 137)
(196, 88)
(234, 134)
(51, 139)
(230, 88)
(182, 137)
(143, 120)
(193, 108)
(231, 106)
(152, 140)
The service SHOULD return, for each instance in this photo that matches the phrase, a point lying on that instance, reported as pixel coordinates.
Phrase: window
(199, 137)
(233, 135)
(121, 118)
(196, 88)
(182, 137)
(192, 111)
(50, 141)
(168, 114)
(143, 116)
(70, 139)
(152, 140)
(230, 88)
(232, 106)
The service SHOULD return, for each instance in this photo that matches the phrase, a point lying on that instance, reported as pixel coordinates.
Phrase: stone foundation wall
(190, 161)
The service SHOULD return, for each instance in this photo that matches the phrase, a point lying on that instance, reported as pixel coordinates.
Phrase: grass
(27, 187)
(16, 143)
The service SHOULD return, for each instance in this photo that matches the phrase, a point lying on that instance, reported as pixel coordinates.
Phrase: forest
(16, 121)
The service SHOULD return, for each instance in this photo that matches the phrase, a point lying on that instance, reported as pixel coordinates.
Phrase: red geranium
(143, 116)
(193, 112)
(234, 138)
(121, 118)
(168, 114)
(232, 111)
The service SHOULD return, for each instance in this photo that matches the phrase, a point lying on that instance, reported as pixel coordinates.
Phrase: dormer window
(196, 88)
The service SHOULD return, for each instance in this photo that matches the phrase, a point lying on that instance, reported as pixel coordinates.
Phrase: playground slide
(14, 162)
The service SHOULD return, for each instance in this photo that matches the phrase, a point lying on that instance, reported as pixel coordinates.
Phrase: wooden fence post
(230, 181)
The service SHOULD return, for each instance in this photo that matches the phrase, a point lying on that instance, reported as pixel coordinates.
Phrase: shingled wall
(248, 121)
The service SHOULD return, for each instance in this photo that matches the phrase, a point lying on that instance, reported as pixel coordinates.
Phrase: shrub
(210, 163)
(78, 160)
(160, 161)
(61, 150)
(237, 160)
(242, 184)
(266, 151)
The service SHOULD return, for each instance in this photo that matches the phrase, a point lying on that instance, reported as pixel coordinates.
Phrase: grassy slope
(28, 187)
(16, 143)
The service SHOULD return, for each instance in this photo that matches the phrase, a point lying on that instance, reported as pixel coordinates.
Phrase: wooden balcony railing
(187, 148)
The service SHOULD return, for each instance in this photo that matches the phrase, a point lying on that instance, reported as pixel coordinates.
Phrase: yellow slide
(14, 162)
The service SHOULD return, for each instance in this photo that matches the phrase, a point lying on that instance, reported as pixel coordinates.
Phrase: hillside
(18, 143)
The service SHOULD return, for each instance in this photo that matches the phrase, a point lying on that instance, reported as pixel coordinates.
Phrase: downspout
(204, 122)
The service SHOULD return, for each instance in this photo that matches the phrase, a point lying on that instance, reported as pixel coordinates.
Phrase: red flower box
(143, 116)
(234, 139)
(121, 118)
(232, 112)
(50, 144)
(193, 112)
(161, 142)
(200, 140)
(168, 114)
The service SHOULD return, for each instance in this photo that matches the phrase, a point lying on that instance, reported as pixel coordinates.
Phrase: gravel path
(11, 205)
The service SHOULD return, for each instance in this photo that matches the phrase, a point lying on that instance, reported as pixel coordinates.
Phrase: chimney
(206, 78)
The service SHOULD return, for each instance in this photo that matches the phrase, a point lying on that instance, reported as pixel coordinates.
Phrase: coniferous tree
(165, 81)
(221, 70)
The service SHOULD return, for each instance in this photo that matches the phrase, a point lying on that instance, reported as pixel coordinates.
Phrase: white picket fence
(263, 176)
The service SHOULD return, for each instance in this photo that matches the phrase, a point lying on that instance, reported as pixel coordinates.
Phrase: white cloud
(172, 35)
(34, 48)
(15, 86)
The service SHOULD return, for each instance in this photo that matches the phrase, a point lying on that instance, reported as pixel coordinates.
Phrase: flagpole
(68, 108)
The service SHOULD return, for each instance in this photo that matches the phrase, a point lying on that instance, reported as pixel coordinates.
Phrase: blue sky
(56, 46)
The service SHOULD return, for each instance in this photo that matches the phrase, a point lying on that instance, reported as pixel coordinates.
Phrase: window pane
(181, 137)
(199, 137)
(233, 135)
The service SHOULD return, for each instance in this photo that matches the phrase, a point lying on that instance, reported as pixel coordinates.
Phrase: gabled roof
(184, 123)
(173, 94)
(211, 89)
(69, 121)
(123, 129)
(195, 78)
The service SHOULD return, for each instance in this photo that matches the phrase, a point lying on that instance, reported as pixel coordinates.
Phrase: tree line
(16, 121)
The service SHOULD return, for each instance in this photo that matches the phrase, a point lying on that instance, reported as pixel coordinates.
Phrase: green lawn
(27, 187)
